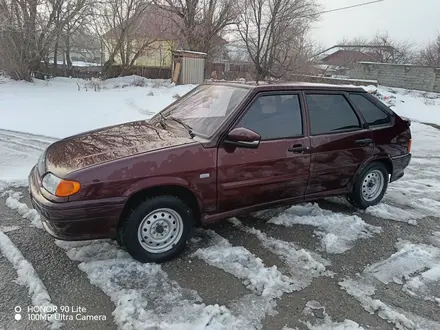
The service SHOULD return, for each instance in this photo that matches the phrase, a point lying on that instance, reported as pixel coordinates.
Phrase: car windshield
(205, 108)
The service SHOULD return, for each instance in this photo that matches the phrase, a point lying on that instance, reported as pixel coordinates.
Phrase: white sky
(417, 21)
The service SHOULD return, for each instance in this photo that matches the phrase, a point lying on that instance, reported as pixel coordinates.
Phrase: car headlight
(60, 187)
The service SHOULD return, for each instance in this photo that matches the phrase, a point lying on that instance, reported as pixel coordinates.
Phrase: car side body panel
(225, 182)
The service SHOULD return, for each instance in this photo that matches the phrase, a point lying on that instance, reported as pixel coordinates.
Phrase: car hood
(109, 143)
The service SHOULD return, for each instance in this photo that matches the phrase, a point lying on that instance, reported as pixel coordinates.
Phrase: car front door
(279, 168)
(340, 143)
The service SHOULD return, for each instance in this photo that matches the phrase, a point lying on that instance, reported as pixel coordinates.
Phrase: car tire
(370, 186)
(157, 229)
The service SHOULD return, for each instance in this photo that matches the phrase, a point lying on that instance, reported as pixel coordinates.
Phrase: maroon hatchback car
(222, 150)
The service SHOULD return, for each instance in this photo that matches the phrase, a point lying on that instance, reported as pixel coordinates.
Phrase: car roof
(286, 86)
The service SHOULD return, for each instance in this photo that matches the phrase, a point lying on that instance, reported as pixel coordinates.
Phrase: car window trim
(270, 93)
(343, 94)
(377, 126)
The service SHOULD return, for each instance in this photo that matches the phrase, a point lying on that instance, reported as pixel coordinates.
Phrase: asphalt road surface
(222, 273)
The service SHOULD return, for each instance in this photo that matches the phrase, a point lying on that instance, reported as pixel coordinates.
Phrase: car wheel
(370, 187)
(157, 229)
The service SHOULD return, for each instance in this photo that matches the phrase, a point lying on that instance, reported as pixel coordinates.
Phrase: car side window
(373, 115)
(274, 117)
(330, 113)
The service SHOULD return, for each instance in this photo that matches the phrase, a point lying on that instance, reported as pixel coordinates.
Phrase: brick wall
(333, 81)
(403, 76)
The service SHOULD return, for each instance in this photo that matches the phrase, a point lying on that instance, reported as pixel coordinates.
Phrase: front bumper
(399, 165)
(79, 220)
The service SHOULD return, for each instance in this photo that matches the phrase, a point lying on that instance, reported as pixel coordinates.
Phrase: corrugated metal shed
(190, 67)
(193, 70)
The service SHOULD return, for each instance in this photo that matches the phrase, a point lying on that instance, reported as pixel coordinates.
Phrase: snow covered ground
(317, 266)
(61, 107)
(65, 106)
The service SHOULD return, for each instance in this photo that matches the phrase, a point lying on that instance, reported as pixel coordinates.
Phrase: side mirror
(243, 138)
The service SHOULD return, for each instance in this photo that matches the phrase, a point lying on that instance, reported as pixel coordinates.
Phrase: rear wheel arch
(385, 160)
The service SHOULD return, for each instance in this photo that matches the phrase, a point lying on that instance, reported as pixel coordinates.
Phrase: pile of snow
(238, 261)
(314, 308)
(7, 229)
(62, 107)
(13, 202)
(337, 231)
(303, 265)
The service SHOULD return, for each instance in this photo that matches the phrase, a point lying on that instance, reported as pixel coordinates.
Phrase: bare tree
(201, 23)
(430, 55)
(29, 29)
(274, 33)
(130, 29)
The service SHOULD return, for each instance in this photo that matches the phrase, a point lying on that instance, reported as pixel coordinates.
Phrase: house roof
(359, 48)
(156, 23)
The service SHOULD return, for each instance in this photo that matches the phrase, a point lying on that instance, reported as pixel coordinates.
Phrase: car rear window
(330, 113)
(373, 115)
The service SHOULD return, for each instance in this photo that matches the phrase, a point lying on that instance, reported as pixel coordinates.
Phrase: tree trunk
(68, 60)
(55, 54)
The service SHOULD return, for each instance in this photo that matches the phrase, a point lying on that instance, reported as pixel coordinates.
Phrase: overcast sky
(414, 20)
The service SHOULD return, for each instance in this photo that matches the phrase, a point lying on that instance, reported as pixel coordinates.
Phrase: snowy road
(315, 264)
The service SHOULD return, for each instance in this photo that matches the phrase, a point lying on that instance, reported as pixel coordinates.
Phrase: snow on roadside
(143, 294)
(28, 276)
(13, 202)
(303, 265)
(402, 268)
(337, 231)
(416, 105)
(48, 105)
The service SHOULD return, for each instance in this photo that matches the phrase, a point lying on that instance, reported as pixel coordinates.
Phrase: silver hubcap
(160, 230)
(372, 185)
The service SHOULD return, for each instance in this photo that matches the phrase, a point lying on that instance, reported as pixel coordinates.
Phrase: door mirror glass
(243, 138)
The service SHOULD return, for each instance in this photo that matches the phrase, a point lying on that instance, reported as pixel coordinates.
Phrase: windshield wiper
(187, 127)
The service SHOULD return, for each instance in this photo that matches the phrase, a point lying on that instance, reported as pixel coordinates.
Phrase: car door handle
(297, 149)
(363, 142)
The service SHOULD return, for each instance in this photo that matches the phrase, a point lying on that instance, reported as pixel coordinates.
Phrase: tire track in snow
(28, 276)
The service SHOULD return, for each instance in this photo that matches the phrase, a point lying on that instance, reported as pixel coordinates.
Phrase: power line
(349, 7)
